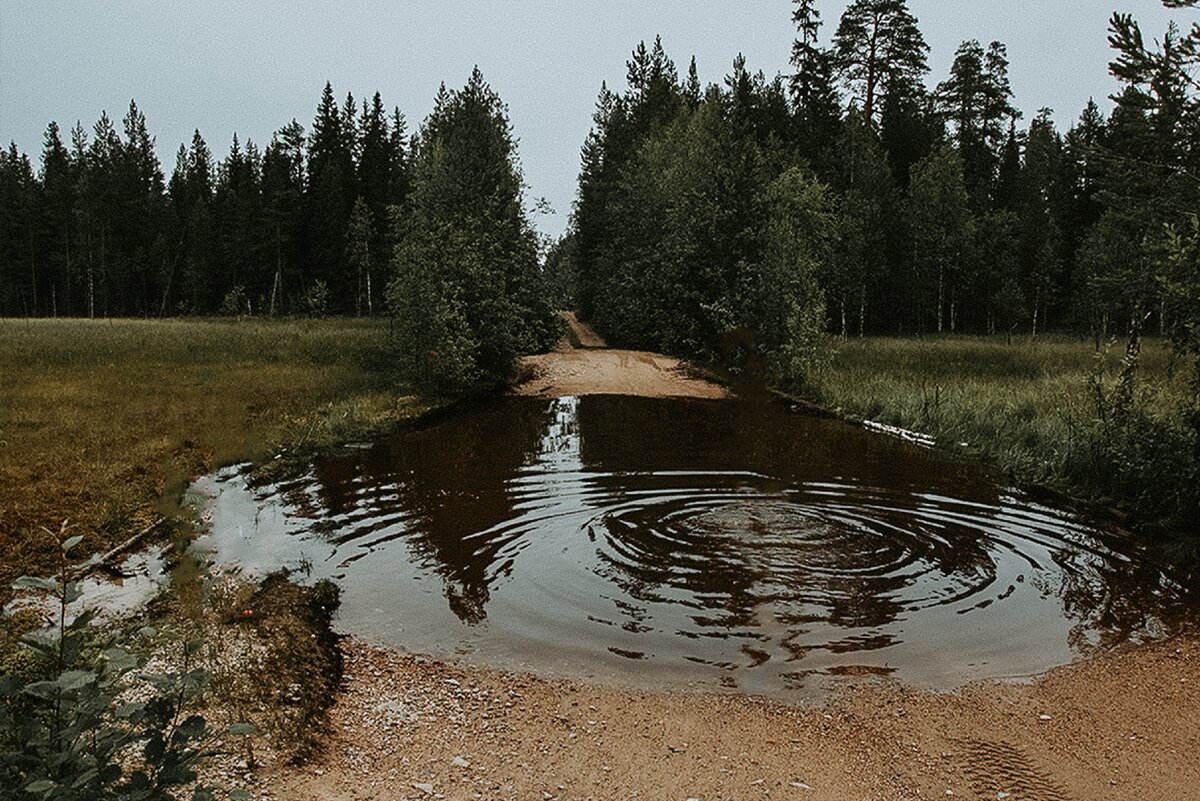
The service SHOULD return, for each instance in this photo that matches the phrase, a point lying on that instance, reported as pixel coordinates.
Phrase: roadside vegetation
(1040, 410)
(102, 422)
(921, 211)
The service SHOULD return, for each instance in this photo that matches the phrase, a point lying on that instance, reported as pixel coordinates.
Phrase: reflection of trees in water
(446, 482)
(456, 492)
(1115, 600)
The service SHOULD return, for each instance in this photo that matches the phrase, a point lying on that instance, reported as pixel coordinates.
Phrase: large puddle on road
(698, 544)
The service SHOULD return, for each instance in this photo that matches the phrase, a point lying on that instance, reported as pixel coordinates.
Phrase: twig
(106, 559)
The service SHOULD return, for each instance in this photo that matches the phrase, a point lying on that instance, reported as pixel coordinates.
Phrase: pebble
(424, 787)
(799, 785)
(459, 762)
(1044, 717)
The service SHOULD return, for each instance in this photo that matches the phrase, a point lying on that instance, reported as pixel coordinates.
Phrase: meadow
(1033, 408)
(103, 421)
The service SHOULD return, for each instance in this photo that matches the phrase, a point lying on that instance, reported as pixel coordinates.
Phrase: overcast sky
(250, 67)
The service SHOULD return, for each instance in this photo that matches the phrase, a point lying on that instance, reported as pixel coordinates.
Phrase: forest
(848, 197)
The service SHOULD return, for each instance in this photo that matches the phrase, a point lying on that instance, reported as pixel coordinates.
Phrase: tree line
(301, 226)
(846, 196)
(916, 209)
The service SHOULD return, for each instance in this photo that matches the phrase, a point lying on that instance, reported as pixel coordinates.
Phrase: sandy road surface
(1123, 726)
(592, 369)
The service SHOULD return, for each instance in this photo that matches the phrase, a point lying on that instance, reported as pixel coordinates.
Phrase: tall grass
(1031, 408)
(102, 420)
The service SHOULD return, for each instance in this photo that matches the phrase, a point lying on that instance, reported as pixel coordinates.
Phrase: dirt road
(582, 365)
(1120, 727)
(1125, 725)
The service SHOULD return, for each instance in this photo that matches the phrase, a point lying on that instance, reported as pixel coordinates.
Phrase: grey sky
(252, 67)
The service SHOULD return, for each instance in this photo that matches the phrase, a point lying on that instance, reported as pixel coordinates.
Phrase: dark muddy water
(685, 543)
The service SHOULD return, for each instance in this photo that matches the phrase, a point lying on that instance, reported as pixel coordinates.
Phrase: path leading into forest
(582, 364)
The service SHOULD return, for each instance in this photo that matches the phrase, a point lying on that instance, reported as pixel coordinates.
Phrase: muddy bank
(1119, 727)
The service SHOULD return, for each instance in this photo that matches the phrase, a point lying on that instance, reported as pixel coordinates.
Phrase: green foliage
(466, 291)
(941, 232)
(879, 50)
(782, 297)
(1041, 410)
(315, 302)
(70, 727)
(694, 236)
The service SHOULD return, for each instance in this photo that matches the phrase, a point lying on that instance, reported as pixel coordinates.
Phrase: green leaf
(85, 777)
(148, 632)
(71, 542)
(75, 679)
(191, 729)
(193, 647)
(243, 729)
(35, 583)
(128, 711)
(72, 647)
(239, 795)
(43, 689)
(73, 592)
(41, 786)
(45, 641)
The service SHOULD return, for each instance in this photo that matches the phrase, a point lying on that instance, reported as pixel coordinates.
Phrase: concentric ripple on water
(678, 543)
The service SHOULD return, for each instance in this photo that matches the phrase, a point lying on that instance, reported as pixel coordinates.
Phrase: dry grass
(102, 422)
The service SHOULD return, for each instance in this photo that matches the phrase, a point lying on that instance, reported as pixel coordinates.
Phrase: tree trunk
(33, 271)
(104, 269)
(862, 312)
(278, 270)
(91, 286)
(941, 295)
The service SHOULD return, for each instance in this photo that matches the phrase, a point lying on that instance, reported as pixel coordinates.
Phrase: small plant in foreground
(82, 722)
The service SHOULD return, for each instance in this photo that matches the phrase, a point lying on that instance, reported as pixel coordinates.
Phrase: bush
(72, 725)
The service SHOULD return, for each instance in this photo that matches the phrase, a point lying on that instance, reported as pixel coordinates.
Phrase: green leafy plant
(86, 721)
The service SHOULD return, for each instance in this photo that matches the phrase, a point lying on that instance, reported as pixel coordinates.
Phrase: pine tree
(20, 259)
(329, 199)
(58, 187)
(283, 180)
(976, 99)
(879, 50)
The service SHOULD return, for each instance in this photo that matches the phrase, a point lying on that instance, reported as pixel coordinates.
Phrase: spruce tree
(815, 98)
(466, 290)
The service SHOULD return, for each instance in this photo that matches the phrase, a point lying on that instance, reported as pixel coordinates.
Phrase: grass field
(101, 422)
(1029, 407)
